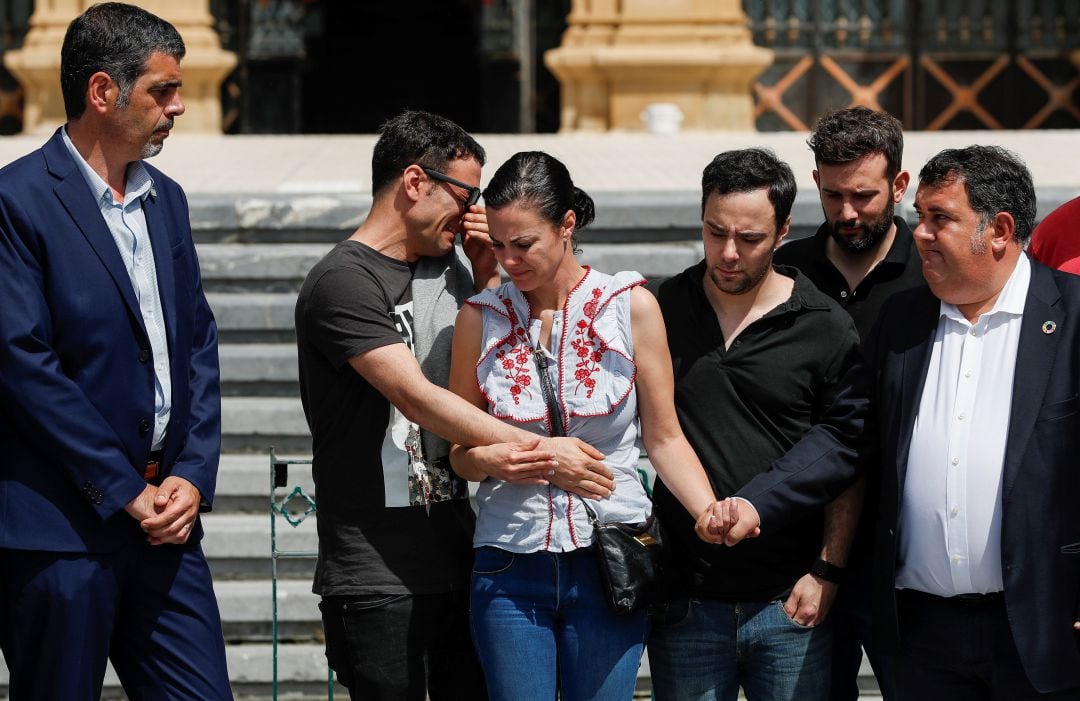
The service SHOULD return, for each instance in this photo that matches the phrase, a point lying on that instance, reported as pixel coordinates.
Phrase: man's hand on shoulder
(176, 507)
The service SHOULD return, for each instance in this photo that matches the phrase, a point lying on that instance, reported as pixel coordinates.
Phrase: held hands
(704, 527)
(810, 601)
(734, 520)
(167, 513)
(578, 469)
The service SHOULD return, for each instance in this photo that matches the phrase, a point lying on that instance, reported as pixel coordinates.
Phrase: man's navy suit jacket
(1040, 531)
(1040, 536)
(76, 370)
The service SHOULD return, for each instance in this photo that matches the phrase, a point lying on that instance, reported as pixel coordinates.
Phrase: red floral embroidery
(590, 350)
(515, 360)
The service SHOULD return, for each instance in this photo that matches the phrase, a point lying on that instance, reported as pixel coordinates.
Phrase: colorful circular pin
(1049, 327)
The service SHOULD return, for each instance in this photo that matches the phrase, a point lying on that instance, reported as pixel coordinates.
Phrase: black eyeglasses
(474, 192)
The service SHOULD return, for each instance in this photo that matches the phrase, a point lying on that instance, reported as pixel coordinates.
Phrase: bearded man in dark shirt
(861, 255)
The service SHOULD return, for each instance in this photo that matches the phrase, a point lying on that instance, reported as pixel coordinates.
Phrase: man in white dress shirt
(977, 379)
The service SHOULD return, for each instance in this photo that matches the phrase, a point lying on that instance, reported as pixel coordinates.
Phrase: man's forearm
(444, 413)
(841, 521)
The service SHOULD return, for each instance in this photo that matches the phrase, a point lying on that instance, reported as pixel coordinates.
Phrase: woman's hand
(706, 528)
(578, 468)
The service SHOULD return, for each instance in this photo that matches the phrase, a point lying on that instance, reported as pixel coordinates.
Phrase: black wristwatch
(827, 571)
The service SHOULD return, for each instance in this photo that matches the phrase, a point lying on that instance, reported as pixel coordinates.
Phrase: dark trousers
(956, 650)
(852, 633)
(399, 647)
(149, 609)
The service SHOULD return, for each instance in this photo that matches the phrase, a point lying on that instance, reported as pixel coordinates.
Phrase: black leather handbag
(629, 553)
(630, 561)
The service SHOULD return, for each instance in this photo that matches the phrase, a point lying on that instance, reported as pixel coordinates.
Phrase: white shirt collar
(139, 182)
(1011, 300)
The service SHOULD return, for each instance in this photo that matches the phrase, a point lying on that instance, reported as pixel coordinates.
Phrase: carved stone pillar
(618, 56)
(37, 64)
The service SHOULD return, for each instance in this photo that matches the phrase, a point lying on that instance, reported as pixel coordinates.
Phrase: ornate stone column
(617, 56)
(37, 64)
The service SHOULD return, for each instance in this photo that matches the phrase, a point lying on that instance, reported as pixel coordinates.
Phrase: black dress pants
(960, 649)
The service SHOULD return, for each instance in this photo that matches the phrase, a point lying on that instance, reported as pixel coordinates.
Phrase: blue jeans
(541, 626)
(706, 650)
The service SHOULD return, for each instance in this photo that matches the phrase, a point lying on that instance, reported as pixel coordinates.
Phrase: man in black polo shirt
(766, 370)
(860, 256)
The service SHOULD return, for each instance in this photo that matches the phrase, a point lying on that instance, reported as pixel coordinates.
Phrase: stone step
(252, 288)
(661, 214)
(261, 309)
(237, 546)
(301, 669)
(243, 484)
(259, 369)
(253, 424)
(258, 267)
(254, 317)
(247, 612)
(303, 674)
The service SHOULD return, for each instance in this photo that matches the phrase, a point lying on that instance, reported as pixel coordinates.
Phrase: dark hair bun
(583, 208)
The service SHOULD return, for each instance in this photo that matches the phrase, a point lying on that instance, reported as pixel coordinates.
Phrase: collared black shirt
(746, 406)
(900, 270)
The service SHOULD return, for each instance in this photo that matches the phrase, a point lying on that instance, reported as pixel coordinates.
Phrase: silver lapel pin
(1049, 327)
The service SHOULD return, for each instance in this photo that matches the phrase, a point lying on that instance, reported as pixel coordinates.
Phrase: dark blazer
(76, 377)
(1040, 538)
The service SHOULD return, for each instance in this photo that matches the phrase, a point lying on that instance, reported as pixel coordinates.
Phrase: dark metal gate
(935, 64)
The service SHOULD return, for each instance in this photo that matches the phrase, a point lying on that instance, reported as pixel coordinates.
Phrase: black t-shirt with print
(373, 535)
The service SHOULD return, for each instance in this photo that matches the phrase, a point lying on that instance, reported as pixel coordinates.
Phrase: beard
(151, 149)
(873, 233)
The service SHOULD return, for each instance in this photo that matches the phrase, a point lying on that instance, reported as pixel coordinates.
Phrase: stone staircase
(252, 266)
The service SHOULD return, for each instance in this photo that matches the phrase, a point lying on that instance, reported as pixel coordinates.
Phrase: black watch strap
(827, 571)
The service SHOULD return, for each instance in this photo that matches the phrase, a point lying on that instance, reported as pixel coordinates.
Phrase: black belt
(153, 465)
(965, 600)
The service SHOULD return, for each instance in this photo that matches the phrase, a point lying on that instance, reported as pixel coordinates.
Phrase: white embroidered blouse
(593, 373)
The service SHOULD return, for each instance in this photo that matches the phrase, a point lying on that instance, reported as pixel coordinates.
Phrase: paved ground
(599, 162)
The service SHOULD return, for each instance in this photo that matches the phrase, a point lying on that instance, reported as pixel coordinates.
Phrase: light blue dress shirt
(127, 224)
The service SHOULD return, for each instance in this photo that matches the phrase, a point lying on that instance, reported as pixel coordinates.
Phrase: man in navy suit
(977, 379)
(110, 410)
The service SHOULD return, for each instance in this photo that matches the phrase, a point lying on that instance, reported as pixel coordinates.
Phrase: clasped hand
(167, 513)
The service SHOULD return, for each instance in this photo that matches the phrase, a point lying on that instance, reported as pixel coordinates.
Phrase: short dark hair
(848, 134)
(748, 169)
(115, 38)
(995, 179)
(542, 183)
(421, 138)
